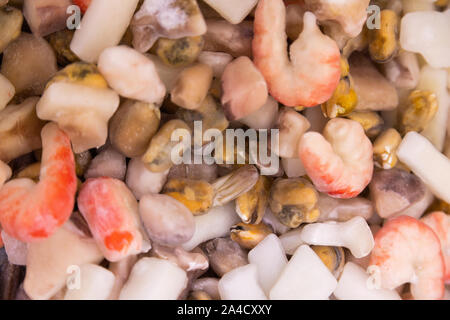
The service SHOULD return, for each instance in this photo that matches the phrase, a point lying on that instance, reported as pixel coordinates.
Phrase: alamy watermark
(74, 20)
(73, 281)
(374, 17)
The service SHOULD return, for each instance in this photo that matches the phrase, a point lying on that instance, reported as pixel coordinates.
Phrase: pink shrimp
(339, 163)
(312, 74)
(30, 211)
(440, 223)
(407, 250)
(111, 212)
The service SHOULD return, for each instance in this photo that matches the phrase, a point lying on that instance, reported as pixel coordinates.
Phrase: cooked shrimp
(407, 250)
(340, 162)
(440, 223)
(111, 211)
(30, 211)
(311, 75)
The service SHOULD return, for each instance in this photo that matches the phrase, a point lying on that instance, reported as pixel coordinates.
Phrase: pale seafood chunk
(300, 278)
(431, 41)
(121, 270)
(435, 80)
(15, 249)
(403, 71)
(234, 39)
(20, 129)
(350, 14)
(171, 19)
(48, 261)
(166, 220)
(154, 279)
(213, 224)
(233, 11)
(427, 163)
(263, 118)
(108, 163)
(293, 167)
(395, 191)
(353, 234)
(292, 126)
(46, 16)
(291, 240)
(96, 283)
(354, 284)
(102, 26)
(270, 259)
(131, 74)
(142, 181)
(244, 89)
(343, 209)
(81, 111)
(231, 284)
(375, 92)
(225, 255)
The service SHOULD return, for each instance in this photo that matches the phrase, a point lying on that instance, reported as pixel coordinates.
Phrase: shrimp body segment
(440, 223)
(407, 250)
(311, 74)
(339, 162)
(30, 211)
(111, 211)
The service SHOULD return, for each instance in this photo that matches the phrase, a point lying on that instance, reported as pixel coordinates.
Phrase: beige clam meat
(166, 220)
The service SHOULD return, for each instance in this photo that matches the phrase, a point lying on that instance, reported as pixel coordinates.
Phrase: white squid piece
(354, 234)
(427, 163)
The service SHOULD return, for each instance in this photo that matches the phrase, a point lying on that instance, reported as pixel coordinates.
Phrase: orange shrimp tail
(31, 212)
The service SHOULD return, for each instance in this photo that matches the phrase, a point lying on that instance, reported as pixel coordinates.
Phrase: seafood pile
(96, 202)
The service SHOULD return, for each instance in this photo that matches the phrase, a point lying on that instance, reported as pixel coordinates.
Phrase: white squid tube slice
(427, 163)
(354, 234)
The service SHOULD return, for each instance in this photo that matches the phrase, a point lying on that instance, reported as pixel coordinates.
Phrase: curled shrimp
(340, 162)
(408, 251)
(111, 211)
(440, 223)
(311, 75)
(30, 211)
